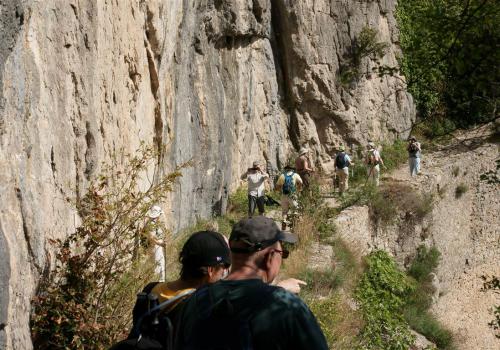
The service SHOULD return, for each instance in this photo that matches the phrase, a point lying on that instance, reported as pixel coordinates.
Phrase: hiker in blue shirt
(342, 164)
(289, 183)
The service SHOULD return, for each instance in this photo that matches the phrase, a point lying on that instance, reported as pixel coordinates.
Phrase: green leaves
(365, 45)
(450, 58)
(382, 292)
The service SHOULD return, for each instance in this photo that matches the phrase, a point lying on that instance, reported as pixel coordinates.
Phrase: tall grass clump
(418, 303)
(85, 301)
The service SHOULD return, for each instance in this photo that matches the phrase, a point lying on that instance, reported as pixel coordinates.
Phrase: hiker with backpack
(342, 164)
(414, 153)
(244, 311)
(373, 161)
(303, 166)
(204, 258)
(289, 183)
(256, 197)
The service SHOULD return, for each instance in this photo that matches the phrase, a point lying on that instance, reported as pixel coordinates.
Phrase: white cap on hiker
(371, 145)
(155, 212)
(342, 148)
(303, 150)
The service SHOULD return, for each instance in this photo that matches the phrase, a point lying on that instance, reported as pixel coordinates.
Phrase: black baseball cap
(258, 233)
(205, 248)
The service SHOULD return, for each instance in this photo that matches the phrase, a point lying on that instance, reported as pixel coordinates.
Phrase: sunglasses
(284, 253)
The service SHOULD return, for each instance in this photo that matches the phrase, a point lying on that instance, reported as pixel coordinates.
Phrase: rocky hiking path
(464, 224)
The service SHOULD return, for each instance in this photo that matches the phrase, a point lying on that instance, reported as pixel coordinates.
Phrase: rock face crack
(153, 54)
(26, 230)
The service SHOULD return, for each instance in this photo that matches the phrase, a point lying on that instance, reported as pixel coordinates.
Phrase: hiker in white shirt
(256, 178)
(373, 161)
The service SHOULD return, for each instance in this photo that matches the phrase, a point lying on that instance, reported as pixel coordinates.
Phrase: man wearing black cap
(204, 259)
(245, 311)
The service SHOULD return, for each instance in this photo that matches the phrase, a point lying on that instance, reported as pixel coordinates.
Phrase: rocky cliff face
(216, 81)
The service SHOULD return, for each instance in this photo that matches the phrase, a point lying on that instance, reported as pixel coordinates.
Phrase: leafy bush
(381, 293)
(449, 49)
(326, 312)
(394, 155)
(419, 301)
(238, 201)
(395, 198)
(425, 262)
(361, 195)
(460, 190)
(86, 300)
(426, 324)
(365, 45)
(321, 282)
(383, 209)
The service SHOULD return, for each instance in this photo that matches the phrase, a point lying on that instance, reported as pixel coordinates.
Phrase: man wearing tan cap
(244, 311)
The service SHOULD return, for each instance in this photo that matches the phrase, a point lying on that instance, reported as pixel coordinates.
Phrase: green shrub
(321, 282)
(426, 324)
(394, 155)
(382, 293)
(460, 190)
(361, 195)
(455, 171)
(85, 301)
(425, 262)
(326, 312)
(420, 300)
(238, 201)
(365, 45)
(383, 209)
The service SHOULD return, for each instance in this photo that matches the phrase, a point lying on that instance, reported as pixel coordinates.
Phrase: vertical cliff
(217, 82)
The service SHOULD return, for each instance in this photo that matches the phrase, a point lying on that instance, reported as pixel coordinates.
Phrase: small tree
(87, 299)
(365, 45)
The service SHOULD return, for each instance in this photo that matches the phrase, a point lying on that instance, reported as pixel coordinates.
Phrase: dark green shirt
(270, 317)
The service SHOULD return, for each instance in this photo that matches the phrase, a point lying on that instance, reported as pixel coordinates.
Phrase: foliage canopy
(451, 57)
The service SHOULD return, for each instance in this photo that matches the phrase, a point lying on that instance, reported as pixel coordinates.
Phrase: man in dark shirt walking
(245, 311)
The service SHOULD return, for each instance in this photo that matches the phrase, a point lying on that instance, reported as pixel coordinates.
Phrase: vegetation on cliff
(85, 302)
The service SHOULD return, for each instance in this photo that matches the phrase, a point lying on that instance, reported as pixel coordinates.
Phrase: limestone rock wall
(218, 82)
(315, 40)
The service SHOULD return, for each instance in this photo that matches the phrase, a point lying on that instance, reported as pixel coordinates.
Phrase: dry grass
(295, 265)
(395, 198)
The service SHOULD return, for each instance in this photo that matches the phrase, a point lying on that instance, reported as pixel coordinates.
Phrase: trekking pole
(369, 174)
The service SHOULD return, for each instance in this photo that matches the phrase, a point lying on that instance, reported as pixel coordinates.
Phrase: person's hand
(292, 285)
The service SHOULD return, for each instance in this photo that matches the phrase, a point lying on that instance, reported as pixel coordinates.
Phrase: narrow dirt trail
(465, 227)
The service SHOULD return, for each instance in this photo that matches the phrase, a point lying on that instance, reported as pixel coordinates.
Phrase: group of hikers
(294, 179)
(226, 296)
